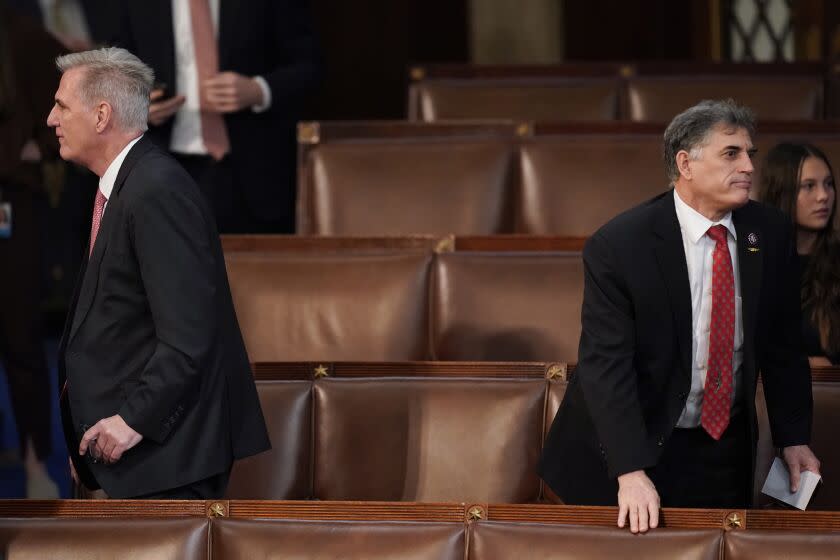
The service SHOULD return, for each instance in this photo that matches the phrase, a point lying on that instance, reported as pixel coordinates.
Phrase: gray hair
(690, 129)
(118, 77)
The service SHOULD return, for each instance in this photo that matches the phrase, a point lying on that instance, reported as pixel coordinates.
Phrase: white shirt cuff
(266, 91)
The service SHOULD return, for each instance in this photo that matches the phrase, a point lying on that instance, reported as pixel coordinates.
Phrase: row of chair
(443, 431)
(406, 299)
(145, 530)
(636, 92)
(399, 178)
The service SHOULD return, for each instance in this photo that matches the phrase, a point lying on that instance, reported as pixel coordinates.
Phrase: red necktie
(717, 396)
(213, 130)
(98, 209)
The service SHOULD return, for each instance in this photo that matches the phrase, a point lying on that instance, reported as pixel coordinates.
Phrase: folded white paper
(777, 485)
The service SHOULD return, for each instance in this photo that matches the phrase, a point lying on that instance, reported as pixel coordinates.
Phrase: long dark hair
(821, 279)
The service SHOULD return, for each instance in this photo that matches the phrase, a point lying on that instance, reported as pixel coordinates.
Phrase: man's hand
(108, 439)
(161, 111)
(638, 499)
(799, 458)
(229, 92)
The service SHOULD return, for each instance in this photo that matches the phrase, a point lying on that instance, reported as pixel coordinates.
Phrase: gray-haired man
(158, 397)
(686, 298)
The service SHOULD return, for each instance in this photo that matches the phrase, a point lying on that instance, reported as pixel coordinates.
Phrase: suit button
(682, 395)
(661, 442)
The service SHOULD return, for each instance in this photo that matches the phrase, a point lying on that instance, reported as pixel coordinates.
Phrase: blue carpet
(12, 480)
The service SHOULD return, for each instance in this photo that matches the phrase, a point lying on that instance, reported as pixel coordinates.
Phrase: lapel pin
(752, 243)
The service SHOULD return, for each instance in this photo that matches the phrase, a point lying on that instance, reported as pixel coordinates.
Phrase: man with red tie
(158, 399)
(686, 298)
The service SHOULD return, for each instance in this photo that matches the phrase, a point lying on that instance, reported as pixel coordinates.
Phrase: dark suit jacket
(152, 335)
(269, 38)
(634, 370)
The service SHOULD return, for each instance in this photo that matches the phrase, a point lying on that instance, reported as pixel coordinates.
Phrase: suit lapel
(90, 276)
(750, 261)
(670, 255)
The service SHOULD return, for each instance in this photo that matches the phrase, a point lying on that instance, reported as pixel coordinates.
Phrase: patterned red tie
(98, 209)
(717, 397)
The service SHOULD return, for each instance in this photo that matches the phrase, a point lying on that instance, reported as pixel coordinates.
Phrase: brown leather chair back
(285, 471)
(402, 187)
(427, 439)
(547, 99)
(504, 540)
(780, 544)
(332, 306)
(507, 306)
(661, 98)
(236, 539)
(71, 539)
(574, 183)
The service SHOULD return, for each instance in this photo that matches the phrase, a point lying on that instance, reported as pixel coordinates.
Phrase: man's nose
(747, 164)
(51, 119)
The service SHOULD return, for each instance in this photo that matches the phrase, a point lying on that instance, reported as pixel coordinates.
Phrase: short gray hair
(690, 129)
(118, 77)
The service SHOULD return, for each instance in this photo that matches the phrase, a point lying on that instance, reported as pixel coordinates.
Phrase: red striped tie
(98, 209)
(717, 396)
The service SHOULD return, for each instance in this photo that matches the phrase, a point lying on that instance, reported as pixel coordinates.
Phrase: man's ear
(683, 164)
(104, 114)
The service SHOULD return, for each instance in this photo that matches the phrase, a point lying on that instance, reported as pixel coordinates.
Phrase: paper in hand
(777, 485)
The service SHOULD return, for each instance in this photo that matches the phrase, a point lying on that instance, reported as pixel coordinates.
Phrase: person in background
(232, 77)
(25, 94)
(798, 179)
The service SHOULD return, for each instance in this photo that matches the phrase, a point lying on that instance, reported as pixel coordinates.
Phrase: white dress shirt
(186, 129)
(698, 256)
(106, 182)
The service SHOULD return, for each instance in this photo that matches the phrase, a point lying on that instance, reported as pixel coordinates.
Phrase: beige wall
(516, 31)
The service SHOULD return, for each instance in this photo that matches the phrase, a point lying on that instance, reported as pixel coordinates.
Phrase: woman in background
(798, 179)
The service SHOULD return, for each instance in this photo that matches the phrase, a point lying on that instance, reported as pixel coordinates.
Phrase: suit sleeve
(300, 68)
(171, 245)
(784, 367)
(606, 372)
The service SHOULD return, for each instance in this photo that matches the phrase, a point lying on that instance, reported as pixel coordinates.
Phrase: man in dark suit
(158, 396)
(263, 61)
(686, 298)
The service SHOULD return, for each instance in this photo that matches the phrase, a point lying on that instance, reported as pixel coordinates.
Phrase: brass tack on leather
(320, 371)
(309, 133)
(557, 371)
(524, 129)
(418, 73)
(734, 521)
(217, 509)
(476, 513)
(445, 244)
